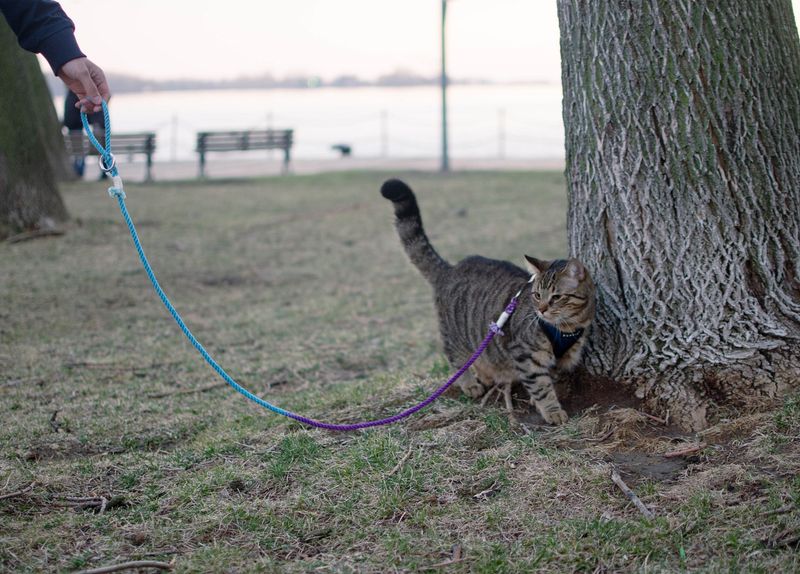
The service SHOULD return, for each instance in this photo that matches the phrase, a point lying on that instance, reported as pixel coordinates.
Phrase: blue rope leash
(117, 191)
(108, 164)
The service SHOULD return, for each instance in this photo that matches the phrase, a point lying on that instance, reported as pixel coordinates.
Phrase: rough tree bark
(683, 166)
(31, 147)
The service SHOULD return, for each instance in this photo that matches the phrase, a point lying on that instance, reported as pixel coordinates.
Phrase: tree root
(695, 396)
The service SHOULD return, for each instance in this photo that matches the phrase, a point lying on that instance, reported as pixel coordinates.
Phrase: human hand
(88, 81)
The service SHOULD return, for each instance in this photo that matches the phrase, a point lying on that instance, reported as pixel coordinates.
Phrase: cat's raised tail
(412, 234)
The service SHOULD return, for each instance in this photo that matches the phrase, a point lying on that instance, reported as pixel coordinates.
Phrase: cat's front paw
(472, 388)
(555, 417)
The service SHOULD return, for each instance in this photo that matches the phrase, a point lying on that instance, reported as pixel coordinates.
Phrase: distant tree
(683, 165)
(32, 152)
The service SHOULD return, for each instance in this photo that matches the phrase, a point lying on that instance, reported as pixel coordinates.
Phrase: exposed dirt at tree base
(614, 426)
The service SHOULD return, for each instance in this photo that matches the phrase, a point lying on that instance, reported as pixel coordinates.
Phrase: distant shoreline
(224, 168)
(126, 84)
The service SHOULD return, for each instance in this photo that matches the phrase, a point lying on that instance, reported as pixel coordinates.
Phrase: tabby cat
(546, 333)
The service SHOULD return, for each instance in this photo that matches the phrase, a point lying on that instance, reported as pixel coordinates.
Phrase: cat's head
(562, 292)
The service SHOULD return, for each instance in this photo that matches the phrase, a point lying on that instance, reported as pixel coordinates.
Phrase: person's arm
(41, 26)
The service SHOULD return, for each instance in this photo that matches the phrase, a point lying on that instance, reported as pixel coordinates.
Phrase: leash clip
(110, 168)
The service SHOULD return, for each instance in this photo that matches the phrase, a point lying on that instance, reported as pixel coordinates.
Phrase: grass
(300, 289)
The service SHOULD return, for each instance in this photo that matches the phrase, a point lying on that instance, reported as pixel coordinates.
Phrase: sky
(501, 40)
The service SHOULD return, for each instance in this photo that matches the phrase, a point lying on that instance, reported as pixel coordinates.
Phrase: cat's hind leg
(489, 394)
(507, 397)
(471, 385)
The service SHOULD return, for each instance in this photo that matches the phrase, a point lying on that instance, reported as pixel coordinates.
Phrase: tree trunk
(683, 166)
(31, 145)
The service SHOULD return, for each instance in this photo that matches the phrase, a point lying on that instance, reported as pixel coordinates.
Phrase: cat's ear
(576, 270)
(537, 266)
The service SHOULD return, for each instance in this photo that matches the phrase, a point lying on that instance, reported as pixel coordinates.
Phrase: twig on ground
(458, 556)
(27, 235)
(486, 493)
(601, 438)
(684, 451)
(186, 391)
(97, 503)
(84, 503)
(402, 461)
(129, 566)
(96, 365)
(164, 552)
(446, 563)
(15, 382)
(20, 492)
(617, 479)
(788, 537)
(654, 418)
(116, 365)
(782, 510)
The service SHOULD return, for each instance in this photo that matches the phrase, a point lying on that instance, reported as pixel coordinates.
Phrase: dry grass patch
(118, 443)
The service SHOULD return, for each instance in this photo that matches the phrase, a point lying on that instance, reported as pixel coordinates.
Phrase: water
(485, 121)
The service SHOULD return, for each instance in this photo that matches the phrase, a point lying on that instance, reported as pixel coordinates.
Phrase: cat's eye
(535, 295)
(555, 296)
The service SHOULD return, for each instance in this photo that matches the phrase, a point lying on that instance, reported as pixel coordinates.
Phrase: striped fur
(471, 294)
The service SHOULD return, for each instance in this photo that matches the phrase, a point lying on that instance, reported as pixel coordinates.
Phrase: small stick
(186, 391)
(25, 490)
(781, 510)
(458, 556)
(651, 417)
(601, 438)
(486, 493)
(402, 461)
(96, 365)
(783, 539)
(446, 563)
(15, 382)
(162, 553)
(685, 451)
(129, 566)
(85, 503)
(617, 479)
(27, 235)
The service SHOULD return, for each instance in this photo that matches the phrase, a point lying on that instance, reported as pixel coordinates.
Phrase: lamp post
(445, 165)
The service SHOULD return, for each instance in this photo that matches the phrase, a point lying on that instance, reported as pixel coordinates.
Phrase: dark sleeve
(42, 26)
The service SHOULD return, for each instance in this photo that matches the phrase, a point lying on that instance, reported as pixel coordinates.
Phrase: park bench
(245, 141)
(121, 144)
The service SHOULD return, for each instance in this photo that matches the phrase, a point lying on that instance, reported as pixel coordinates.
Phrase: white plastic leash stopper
(117, 189)
(501, 320)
